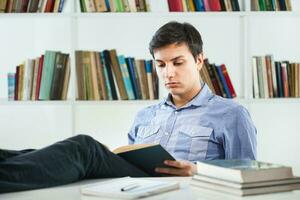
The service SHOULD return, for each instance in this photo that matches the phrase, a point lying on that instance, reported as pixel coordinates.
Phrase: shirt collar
(201, 99)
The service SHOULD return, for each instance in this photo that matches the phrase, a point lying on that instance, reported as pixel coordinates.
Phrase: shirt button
(166, 133)
(176, 112)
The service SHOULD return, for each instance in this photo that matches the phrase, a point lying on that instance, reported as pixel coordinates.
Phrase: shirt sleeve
(143, 117)
(240, 135)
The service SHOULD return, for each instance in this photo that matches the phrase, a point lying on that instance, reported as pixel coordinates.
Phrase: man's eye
(160, 65)
(178, 63)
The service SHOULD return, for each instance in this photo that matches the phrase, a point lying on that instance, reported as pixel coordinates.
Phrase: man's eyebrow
(171, 59)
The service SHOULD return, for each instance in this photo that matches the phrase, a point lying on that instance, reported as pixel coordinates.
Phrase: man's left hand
(178, 168)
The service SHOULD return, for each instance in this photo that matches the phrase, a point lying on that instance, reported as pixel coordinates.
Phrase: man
(191, 123)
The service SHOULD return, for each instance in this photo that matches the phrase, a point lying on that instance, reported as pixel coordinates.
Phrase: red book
(175, 5)
(39, 77)
(215, 5)
(49, 6)
(228, 81)
(285, 79)
(24, 5)
(206, 5)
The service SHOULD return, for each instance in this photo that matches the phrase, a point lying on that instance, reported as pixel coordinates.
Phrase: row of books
(114, 6)
(275, 79)
(31, 6)
(43, 78)
(108, 76)
(244, 177)
(271, 5)
(203, 5)
(217, 79)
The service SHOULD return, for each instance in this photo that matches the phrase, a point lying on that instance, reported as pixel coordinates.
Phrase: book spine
(216, 74)
(149, 78)
(269, 76)
(223, 82)
(255, 78)
(279, 79)
(117, 74)
(11, 77)
(199, 6)
(109, 74)
(228, 81)
(126, 78)
(285, 79)
(175, 5)
(47, 75)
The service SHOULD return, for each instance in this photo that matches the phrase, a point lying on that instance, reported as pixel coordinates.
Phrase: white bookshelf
(229, 37)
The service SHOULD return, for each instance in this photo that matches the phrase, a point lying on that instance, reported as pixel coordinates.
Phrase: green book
(119, 6)
(262, 5)
(47, 75)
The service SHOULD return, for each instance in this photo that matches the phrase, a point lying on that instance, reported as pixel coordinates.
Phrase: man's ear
(200, 61)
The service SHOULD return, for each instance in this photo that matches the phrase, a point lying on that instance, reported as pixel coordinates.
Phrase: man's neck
(181, 100)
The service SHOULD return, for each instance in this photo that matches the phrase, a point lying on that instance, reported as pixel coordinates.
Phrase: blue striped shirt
(208, 127)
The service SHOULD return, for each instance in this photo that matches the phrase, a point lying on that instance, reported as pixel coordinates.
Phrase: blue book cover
(223, 81)
(11, 86)
(107, 5)
(131, 70)
(279, 79)
(199, 5)
(126, 78)
(61, 5)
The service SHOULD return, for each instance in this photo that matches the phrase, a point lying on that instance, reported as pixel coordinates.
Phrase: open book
(145, 156)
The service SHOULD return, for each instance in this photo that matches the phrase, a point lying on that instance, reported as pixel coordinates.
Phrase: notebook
(129, 188)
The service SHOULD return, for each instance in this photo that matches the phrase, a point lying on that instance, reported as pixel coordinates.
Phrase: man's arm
(240, 135)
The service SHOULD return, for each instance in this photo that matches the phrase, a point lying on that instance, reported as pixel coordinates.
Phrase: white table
(187, 192)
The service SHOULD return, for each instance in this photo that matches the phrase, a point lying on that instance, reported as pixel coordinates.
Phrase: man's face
(178, 69)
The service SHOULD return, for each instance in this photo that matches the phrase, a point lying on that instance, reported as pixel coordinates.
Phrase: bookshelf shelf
(35, 15)
(46, 103)
(117, 102)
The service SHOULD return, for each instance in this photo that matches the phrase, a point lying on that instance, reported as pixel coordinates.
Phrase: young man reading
(192, 124)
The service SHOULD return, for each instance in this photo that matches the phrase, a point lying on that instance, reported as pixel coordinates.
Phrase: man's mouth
(171, 84)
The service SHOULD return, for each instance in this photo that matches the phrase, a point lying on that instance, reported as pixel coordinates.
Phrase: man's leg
(4, 153)
(70, 160)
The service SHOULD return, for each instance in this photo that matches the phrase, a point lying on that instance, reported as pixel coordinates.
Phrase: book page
(131, 147)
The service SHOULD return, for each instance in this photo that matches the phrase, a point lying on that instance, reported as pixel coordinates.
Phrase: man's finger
(177, 164)
(171, 171)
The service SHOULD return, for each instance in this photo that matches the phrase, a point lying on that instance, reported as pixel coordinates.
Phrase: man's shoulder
(149, 110)
(225, 105)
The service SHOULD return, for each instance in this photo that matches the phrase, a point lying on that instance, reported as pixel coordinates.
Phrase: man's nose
(169, 71)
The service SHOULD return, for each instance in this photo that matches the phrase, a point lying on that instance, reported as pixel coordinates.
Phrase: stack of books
(31, 6)
(271, 5)
(203, 5)
(217, 78)
(114, 6)
(108, 76)
(244, 177)
(275, 78)
(43, 78)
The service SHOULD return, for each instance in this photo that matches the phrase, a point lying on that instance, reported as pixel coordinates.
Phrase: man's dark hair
(177, 33)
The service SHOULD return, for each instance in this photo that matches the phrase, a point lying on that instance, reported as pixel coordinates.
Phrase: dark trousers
(67, 161)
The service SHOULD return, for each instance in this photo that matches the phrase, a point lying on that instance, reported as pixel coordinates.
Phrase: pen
(129, 187)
